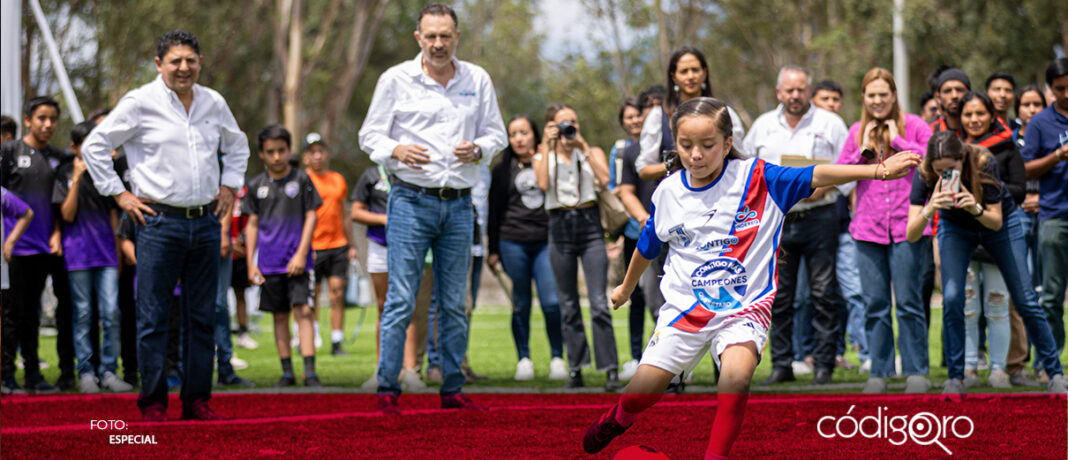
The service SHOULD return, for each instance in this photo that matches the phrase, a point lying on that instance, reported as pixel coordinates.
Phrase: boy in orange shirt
(332, 242)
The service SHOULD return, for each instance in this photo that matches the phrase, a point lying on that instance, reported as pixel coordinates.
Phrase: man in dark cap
(952, 85)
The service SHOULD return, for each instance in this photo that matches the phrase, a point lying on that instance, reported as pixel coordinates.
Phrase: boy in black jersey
(280, 206)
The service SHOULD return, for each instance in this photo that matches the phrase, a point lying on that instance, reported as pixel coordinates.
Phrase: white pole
(11, 60)
(57, 63)
(901, 56)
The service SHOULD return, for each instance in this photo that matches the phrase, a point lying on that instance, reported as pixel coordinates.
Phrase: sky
(567, 28)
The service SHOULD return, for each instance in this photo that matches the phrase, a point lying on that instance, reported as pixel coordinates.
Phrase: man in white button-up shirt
(431, 121)
(796, 127)
(173, 130)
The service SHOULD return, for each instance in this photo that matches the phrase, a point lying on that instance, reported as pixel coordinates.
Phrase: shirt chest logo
(291, 189)
(468, 93)
(24, 161)
(263, 191)
(746, 219)
(683, 236)
(720, 284)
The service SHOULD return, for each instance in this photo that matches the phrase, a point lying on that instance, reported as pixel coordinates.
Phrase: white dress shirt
(819, 135)
(409, 107)
(173, 155)
(652, 136)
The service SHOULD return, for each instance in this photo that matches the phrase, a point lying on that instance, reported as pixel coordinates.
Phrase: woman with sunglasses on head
(879, 223)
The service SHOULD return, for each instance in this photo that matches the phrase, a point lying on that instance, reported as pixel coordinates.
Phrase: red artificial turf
(521, 426)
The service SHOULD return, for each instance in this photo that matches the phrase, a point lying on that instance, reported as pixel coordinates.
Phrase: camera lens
(567, 129)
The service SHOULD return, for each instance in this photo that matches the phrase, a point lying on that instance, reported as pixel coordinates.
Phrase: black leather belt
(443, 193)
(194, 212)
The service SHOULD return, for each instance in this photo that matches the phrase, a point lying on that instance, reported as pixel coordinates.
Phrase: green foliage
(746, 41)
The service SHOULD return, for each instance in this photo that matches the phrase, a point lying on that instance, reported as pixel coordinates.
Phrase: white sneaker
(246, 341)
(372, 383)
(801, 368)
(410, 381)
(629, 368)
(112, 382)
(87, 384)
(865, 367)
(238, 363)
(557, 369)
(524, 370)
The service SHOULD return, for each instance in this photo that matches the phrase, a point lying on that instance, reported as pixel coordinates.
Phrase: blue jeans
(1053, 245)
(526, 262)
(170, 248)
(986, 294)
(896, 263)
(852, 294)
(1005, 245)
(224, 348)
(103, 283)
(1030, 225)
(417, 223)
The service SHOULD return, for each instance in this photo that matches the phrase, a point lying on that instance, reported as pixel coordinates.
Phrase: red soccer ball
(640, 453)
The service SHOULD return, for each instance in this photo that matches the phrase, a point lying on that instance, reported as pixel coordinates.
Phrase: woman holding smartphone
(985, 289)
(971, 207)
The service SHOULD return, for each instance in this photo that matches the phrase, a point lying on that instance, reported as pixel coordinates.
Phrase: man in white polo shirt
(432, 120)
(173, 131)
(798, 128)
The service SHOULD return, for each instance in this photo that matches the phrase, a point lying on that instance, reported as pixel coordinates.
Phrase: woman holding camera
(518, 231)
(878, 226)
(569, 170)
(959, 181)
(687, 78)
(985, 289)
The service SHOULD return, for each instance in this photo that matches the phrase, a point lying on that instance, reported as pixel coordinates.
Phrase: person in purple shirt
(11, 205)
(89, 222)
(280, 205)
(1046, 154)
(29, 170)
(879, 227)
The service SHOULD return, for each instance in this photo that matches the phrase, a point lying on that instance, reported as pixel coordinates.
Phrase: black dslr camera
(567, 129)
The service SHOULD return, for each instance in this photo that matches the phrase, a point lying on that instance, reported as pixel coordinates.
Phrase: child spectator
(282, 202)
(89, 222)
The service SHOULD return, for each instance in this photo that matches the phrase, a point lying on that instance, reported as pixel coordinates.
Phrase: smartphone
(951, 180)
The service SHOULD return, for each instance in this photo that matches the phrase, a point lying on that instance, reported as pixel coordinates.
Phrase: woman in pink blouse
(879, 227)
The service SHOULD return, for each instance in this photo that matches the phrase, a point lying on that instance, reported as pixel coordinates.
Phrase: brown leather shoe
(459, 401)
(387, 404)
(154, 413)
(199, 410)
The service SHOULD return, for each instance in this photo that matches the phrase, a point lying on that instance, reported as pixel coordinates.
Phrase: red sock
(623, 417)
(727, 425)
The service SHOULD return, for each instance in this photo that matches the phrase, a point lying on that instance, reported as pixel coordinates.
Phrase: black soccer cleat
(602, 431)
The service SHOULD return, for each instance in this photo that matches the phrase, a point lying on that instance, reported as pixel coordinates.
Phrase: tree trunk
(663, 46)
(365, 23)
(291, 110)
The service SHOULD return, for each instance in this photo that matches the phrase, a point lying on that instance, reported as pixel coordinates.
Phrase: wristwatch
(478, 152)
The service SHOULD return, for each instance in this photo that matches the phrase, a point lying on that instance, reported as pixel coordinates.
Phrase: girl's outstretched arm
(895, 167)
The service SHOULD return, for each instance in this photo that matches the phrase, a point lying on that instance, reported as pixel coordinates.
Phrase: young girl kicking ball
(721, 221)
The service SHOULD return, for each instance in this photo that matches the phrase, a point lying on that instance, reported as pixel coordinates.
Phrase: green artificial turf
(492, 353)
